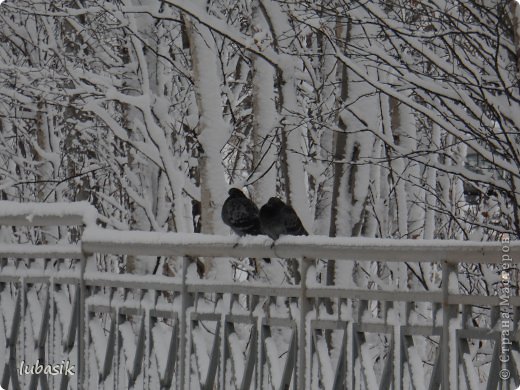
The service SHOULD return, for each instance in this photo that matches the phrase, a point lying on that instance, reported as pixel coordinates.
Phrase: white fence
(122, 331)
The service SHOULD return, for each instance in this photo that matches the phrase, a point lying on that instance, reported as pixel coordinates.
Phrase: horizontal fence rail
(63, 302)
(180, 244)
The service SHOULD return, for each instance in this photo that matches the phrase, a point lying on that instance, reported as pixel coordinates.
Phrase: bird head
(275, 202)
(236, 193)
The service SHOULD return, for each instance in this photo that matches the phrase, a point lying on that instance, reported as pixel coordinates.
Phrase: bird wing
(243, 213)
(243, 217)
(293, 224)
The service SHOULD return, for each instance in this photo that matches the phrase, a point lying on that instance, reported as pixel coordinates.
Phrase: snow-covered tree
(372, 119)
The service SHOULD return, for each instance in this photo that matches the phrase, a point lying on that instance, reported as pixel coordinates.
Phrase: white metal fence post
(449, 346)
(302, 330)
(183, 327)
(82, 334)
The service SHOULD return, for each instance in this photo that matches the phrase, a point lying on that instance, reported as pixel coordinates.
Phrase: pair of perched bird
(274, 219)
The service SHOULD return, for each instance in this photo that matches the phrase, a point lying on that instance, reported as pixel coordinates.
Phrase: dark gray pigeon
(241, 214)
(277, 219)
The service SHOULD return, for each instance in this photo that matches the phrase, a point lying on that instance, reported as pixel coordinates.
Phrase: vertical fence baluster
(81, 323)
(304, 308)
(183, 327)
(448, 351)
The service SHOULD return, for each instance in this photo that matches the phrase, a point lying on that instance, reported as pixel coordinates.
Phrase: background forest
(391, 119)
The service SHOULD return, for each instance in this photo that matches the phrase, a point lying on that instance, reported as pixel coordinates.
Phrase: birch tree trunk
(212, 133)
(290, 112)
(265, 118)
(339, 145)
(431, 186)
(328, 98)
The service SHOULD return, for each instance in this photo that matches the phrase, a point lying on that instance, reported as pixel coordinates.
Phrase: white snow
(326, 366)
(161, 334)
(15, 213)
(41, 251)
(237, 355)
(367, 361)
(35, 311)
(274, 365)
(128, 338)
(416, 368)
(99, 341)
(354, 248)
(8, 307)
(472, 376)
(201, 352)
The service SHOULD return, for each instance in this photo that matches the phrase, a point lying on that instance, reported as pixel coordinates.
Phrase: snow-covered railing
(124, 331)
(151, 243)
(46, 214)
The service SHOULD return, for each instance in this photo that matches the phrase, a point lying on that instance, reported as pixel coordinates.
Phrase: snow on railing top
(349, 248)
(98, 240)
(45, 214)
(29, 251)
